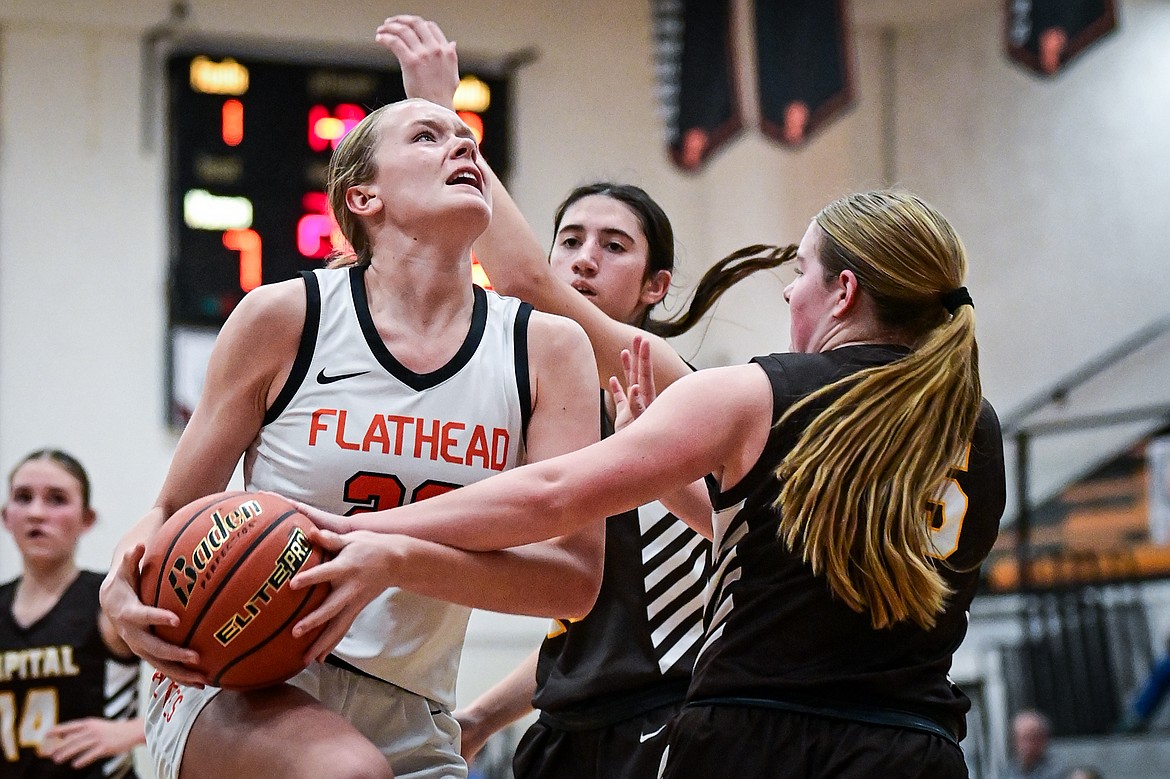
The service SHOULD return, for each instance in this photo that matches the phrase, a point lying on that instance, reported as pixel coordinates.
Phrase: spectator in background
(1031, 731)
(1150, 697)
(69, 684)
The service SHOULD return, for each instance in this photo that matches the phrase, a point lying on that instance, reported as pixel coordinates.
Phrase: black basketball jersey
(635, 649)
(56, 670)
(776, 631)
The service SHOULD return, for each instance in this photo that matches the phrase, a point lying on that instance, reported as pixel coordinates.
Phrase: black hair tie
(955, 298)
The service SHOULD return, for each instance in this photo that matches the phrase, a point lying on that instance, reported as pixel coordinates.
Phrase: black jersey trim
(300, 366)
(890, 718)
(337, 662)
(416, 381)
(523, 383)
(751, 480)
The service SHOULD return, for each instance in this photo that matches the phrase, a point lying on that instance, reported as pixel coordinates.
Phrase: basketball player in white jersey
(383, 381)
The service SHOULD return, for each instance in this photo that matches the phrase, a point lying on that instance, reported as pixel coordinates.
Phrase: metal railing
(1059, 390)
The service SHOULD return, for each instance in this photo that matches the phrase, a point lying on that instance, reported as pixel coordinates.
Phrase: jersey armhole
(523, 385)
(774, 370)
(300, 366)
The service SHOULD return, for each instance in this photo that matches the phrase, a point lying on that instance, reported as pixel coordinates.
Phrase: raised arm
(691, 504)
(509, 250)
(517, 266)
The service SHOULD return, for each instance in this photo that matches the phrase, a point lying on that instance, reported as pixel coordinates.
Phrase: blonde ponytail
(857, 486)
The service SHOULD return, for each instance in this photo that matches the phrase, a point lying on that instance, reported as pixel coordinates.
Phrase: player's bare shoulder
(561, 368)
(261, 336)
(271, 317)
(556, 341)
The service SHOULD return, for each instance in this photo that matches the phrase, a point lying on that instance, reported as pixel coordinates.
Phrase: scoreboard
(249, 139)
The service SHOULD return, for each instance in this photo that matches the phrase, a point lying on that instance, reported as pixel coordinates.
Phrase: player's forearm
(511, 254)
(495, 513)
(543, 580)
(692, 504)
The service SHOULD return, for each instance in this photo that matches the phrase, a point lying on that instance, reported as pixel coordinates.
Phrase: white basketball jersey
(353, 430)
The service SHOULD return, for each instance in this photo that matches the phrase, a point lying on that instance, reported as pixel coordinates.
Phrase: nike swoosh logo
(323, 379)
(642, 739)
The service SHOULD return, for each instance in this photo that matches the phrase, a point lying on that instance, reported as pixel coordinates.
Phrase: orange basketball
(223, 563)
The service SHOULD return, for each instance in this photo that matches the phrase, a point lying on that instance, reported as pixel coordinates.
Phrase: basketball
(222, 564)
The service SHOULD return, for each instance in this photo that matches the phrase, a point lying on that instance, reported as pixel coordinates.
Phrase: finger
(392, 24)
(431, 34)
(322, 573)
(323, 518)
(330, 637)
(158, 652)
(327, 642)
(69, 749)
(65, 729)
(330, 608)
(628, 367)
(327, 572)
(646, 372)
(95, 752)
(129, 568)
(180, 674)
(326, 538)
(391, 38)
(146, 617)
(636, 404)
(615, 389)
(405, 30)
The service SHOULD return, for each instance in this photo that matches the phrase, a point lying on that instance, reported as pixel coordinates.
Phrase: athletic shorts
(419, 738)
(631, 749)
(748, 742)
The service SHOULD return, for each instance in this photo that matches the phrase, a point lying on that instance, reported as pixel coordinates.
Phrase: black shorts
(630, 749)
(748, 742)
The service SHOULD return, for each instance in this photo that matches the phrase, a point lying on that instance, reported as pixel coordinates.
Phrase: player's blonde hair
(353, 164)
(857, 486)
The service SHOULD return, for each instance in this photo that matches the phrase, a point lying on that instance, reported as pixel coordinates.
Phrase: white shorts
(419, 738)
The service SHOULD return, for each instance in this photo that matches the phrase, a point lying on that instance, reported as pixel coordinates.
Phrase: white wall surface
(1060, 189)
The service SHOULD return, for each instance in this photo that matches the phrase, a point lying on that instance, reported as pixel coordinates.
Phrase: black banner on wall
(805, 71)
(696, 78)
(1044, 35)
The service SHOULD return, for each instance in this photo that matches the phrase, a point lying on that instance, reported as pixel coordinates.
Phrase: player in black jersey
(858, 485)
(68, 684)
(605, 685)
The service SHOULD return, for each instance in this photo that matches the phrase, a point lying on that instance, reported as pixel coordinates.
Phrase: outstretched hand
(81, 742)
(430, 64)
(639, 391)
(359, 569)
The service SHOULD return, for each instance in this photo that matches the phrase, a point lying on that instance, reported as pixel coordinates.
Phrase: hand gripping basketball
(222, 564)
